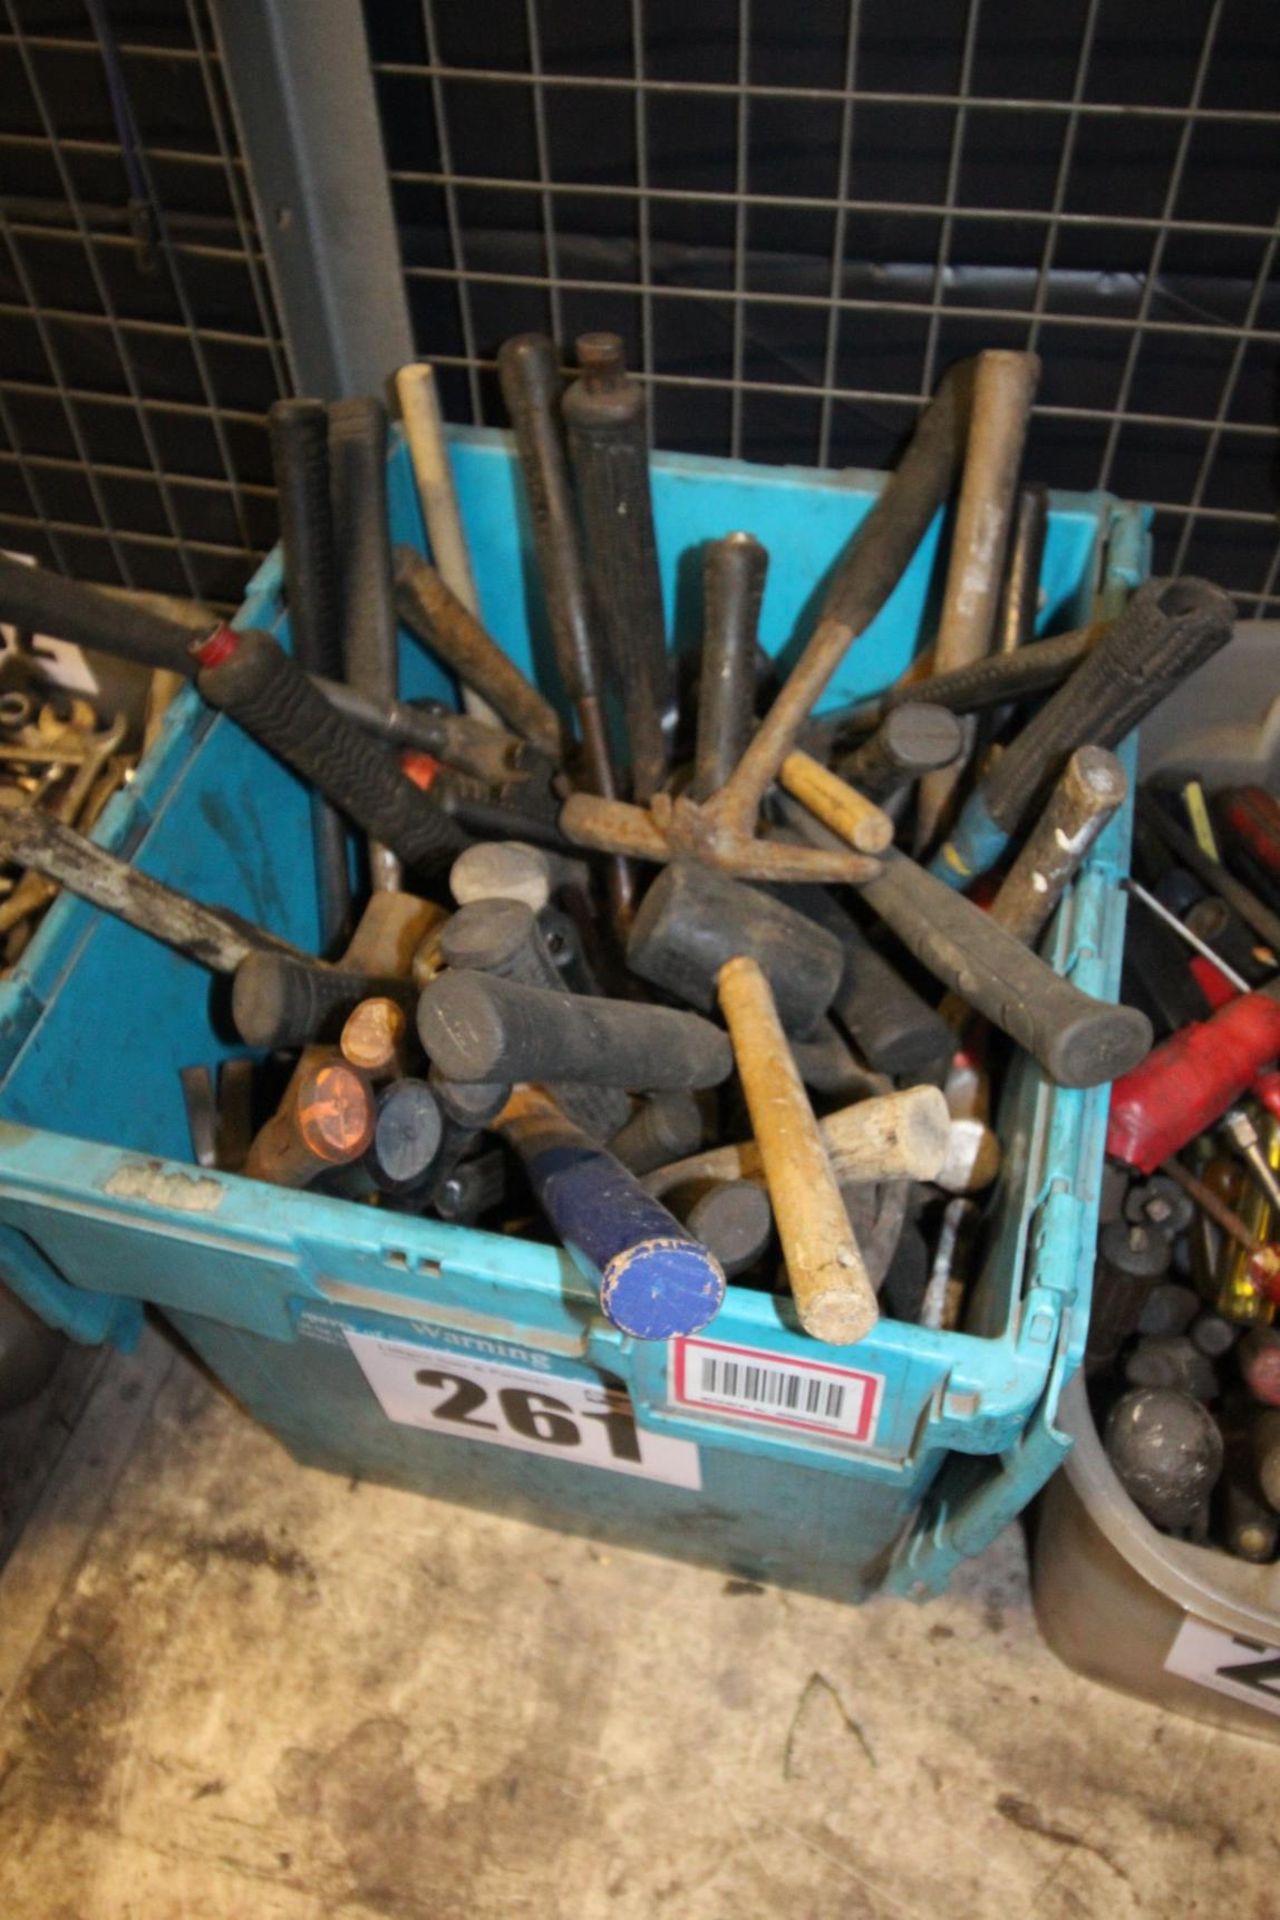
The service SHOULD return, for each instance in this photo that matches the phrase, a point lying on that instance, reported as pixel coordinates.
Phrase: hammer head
(694, 919)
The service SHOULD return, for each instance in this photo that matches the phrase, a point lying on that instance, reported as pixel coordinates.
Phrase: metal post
(302, 93)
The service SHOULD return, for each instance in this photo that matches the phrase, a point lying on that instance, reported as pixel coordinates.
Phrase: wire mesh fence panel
(797, 217)
(142, 348)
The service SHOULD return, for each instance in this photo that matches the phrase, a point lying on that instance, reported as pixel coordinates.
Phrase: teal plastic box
(477, 1367)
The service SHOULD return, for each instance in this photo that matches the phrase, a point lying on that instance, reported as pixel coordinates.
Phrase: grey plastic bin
(1189, 1628)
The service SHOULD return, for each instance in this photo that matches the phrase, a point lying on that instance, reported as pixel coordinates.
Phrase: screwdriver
(1188, 1082)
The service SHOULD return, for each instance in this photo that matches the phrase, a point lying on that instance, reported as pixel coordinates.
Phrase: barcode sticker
(807, 1395)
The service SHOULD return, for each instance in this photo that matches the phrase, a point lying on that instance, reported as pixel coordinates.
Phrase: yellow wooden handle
(839, 806)
(834, 1298)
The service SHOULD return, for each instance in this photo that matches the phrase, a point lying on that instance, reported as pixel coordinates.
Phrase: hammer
(707, 938)
(654, 1279)
(720, 830)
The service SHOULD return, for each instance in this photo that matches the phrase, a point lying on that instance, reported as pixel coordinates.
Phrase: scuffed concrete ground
(232, 1688)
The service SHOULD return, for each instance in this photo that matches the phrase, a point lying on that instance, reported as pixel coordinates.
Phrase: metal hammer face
(694, 920)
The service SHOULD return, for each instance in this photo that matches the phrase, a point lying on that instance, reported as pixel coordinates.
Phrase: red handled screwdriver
(1187, 1083)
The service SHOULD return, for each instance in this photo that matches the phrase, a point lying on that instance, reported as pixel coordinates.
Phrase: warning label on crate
(462, 1397)
(1231, 1663)
(806, 1395)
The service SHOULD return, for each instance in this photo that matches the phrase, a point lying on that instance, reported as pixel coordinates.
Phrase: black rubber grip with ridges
(277, 1001)
(267, 694)
(37, 601)
(1168, 629)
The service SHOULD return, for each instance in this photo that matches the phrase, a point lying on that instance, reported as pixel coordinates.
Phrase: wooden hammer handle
(834, 1297)
(860, 821)
(894, 1136)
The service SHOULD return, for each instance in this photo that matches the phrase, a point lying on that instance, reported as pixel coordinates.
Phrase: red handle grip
(1189, 1081)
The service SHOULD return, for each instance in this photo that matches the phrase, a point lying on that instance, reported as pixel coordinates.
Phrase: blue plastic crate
(477, 1367)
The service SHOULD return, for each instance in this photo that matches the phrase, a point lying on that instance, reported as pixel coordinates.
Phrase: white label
(806, 1395)
(463, 1398)
(1230, 1663)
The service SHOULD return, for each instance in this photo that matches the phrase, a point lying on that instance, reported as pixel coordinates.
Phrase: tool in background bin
(247, 675)
(478, 1026)
(455, 635)
(708, 939)
(720, 831)
(1167, 1453)
(503, 937)
(1168, 630)
(529, 374)
(1244, 1286)
(894, 1136)
(1004, 385)
(1079, 1041)
(655, 1280)
(419, 402)
(374, 1039)
(1259, 1360)
(1172, 1360)
(1215, 877)
(1265, 1437)
(1187, 1083)
(1248, 821)
(604, 416)
(733, 577)
(299, 435)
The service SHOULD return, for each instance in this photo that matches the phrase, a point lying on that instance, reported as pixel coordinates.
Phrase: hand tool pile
(662, 973)
(1183, 1358)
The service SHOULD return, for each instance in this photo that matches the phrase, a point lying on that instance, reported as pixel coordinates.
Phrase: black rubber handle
(299, 432)
(604, 416)
(898, 1032)
(529, 373)
(268, 694)
(358, 478)
(478, 1026)
(38, 601)
(503, 937)
(733, 576)
(1168, 629)
(277, 1001)
(1079, 1041)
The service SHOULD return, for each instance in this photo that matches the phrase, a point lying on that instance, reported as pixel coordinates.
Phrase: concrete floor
(230, 1688)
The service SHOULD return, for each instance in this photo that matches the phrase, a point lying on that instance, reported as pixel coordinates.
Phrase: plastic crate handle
(91, 1319)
